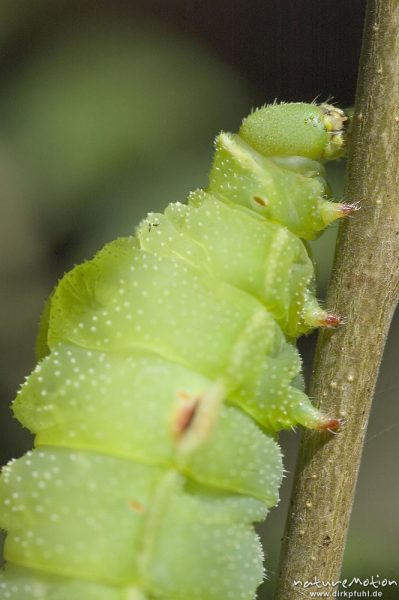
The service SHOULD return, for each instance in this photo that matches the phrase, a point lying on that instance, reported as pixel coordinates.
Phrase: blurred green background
(107, 111)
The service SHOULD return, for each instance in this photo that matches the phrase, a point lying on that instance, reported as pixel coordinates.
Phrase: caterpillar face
(167, 365)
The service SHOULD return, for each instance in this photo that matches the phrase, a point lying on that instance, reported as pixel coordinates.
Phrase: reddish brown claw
(330, 424)
(348, 209)
(331, 320)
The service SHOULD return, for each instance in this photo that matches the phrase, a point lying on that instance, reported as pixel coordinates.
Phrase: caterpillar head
(335, 122)
(310, 130)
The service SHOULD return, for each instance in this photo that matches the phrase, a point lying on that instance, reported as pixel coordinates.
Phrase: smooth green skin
(119, 500)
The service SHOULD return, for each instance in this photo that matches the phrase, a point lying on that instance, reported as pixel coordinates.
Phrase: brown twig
(364, 289)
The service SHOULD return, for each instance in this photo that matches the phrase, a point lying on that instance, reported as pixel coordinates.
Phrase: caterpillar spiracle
(167, 364)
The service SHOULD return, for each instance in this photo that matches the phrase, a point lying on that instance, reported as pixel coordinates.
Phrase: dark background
(108, 110)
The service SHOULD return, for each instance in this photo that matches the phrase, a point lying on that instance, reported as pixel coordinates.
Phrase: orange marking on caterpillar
(136, 506)
(185, 414)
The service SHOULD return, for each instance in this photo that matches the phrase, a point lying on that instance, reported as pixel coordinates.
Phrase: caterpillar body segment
(167, 366)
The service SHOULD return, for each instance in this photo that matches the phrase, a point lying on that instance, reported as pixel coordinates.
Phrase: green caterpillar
(167, 365)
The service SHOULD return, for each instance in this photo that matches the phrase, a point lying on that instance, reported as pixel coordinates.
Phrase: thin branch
(364, 289)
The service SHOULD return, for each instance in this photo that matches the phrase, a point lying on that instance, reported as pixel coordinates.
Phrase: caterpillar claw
(349, 209)
(330, 424)
(331, 210)
(315, 316)
(331, 321)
